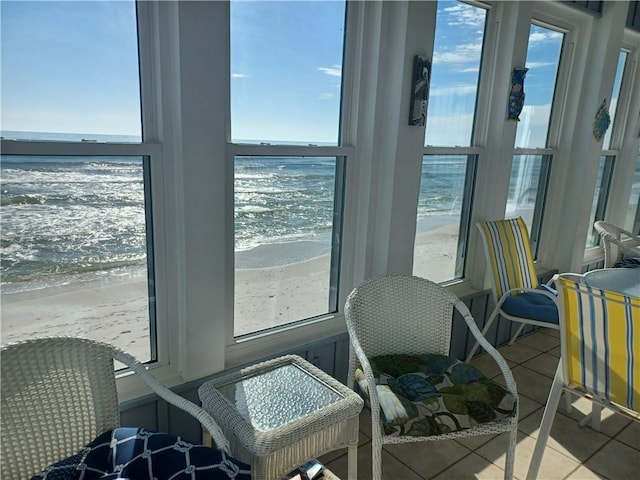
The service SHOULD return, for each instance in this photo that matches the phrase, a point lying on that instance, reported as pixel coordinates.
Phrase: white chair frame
(404, 314)
(615, 244)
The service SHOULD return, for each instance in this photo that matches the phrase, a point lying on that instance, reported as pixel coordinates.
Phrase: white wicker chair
(59, 393)
(617, 243)
(397, 314)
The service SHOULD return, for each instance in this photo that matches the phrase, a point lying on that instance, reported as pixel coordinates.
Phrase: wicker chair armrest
(490, 349)
(176, 400)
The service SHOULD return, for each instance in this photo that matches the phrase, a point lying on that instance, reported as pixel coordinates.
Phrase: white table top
(621, 280)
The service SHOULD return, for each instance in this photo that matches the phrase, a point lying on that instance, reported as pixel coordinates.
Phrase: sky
(71, 67)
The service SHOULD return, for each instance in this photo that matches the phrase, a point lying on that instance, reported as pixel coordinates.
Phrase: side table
(282, 413)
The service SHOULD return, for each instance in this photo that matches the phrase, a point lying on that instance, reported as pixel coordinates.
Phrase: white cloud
(334, 71)
(452, 90)
(537, 37)
(239, 75)
(466, 53)
(465, 15)
(539, 64)
(326, 96)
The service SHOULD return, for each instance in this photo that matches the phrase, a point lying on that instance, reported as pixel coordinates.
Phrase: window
(531, 164)
(446, 188)
(543, 60)
(527, 187)
(600, 197)
(76, 223)
(286, 68)
(613, 107)
(607, 161)
(632, 222)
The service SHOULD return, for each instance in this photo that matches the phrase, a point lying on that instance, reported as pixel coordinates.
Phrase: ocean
(71, 219)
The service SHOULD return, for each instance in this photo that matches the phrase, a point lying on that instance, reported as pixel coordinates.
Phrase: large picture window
(77, 242)
(286, 83)
(447, 183)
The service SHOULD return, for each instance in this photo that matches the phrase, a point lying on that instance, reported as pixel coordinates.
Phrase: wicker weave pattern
(405, 314)
(60, 393)
(275, 452)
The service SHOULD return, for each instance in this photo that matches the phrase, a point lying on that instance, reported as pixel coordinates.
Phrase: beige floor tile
(556, 352)
(611, 423)
(487, 365)
(531, 384)
(392, 469)
(616, 461)
(552, 332)
(545, 363)
(539, 341)
(527, 407)
(472, 467)
(567, 437)
(428, 458)
(583, 473)
(630, 435)
(554, 465)
(517, 352)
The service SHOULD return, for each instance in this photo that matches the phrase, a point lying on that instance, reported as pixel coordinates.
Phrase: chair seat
(133, 453)
(424, 395)
(627, 263)
(532, 306)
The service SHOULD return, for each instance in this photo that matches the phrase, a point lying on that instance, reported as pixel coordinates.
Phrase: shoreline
(115, 308)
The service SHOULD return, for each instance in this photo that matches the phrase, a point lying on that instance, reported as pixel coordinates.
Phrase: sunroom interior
(254, 222)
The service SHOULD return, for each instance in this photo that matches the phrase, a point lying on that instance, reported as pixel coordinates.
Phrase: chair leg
(594, 417)
(568, 406)
(486, 328)
(511, 453)
(352, 462)
(545, 425)
(376, 458)
(518, 332)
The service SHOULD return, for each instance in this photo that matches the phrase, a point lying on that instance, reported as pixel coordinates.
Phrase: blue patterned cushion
(423, 395)
(138, 454)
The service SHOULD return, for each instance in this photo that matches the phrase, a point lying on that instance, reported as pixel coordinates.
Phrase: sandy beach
(115, 310)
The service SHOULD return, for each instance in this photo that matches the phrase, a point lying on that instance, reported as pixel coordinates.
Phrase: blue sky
(71, 67)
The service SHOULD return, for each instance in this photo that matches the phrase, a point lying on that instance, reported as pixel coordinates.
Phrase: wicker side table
(282, 413)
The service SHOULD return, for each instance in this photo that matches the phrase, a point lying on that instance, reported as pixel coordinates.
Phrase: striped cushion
(509, 251)
(603, 342)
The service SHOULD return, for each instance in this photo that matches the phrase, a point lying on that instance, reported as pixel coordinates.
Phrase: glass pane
(74, 250)
(633, 211)
(600, 197)
(455, 72)
(440, 206)
(285, 217)
(286, 69)
(543, 59)
(523, 187)
(70, 68)
(613, 107)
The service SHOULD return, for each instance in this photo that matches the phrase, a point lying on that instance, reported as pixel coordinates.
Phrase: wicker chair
(616, 246)
(59, 394)
(404, 323)
(600, 350)
(516, 291)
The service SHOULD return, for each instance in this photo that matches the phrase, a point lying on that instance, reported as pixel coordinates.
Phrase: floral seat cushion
(138, 454)
(424, 395)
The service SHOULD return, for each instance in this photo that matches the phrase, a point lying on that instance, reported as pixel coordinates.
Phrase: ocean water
(65, 220)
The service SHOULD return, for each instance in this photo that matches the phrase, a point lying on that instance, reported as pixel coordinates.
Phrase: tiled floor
(573, 452)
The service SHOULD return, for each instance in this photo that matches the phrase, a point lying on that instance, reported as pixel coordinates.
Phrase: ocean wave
(7, 199)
